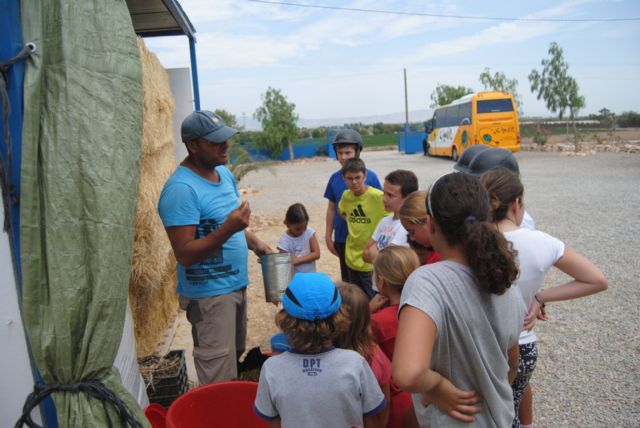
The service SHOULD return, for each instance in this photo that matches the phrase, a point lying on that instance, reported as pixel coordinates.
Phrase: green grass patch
(380, 140)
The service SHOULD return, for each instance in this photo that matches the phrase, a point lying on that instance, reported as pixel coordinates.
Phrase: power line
(437, 15)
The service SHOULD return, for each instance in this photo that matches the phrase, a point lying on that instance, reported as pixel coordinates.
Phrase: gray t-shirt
(331, 389)
(474, 331)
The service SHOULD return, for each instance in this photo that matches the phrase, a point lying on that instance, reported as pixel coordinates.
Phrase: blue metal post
(194, 73)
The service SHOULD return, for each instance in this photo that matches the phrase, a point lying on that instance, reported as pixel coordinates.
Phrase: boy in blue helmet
(347, 144)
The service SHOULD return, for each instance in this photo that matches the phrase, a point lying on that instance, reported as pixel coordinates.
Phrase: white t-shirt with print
(390, 232)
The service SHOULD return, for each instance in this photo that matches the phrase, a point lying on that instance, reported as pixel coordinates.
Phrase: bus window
(428, 126)
(494, 106)
(446, 117)
(465, 113)
(440, 118)
(452, 116)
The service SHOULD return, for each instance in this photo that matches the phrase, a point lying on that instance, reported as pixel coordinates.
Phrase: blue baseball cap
(311, 296)
(208, 125)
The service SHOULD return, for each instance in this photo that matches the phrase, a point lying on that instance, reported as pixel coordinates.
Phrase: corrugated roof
(159, 18)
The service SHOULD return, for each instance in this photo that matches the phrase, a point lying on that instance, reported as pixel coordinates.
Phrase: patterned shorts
(528, 358)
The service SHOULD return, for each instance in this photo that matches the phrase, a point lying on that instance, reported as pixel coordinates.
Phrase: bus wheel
(454, 154)
(429, 150)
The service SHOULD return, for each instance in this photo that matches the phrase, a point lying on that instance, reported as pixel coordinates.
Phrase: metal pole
(406, 112)
(406, 99)
(194, 73)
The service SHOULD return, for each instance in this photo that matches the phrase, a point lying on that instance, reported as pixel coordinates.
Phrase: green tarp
(80, 170)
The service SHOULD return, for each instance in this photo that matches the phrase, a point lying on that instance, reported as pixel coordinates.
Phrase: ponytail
(504, 188)
(460, 206)
(490, 256)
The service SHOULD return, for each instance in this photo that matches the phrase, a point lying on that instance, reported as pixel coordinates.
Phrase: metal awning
(156, 18)
(159, 18)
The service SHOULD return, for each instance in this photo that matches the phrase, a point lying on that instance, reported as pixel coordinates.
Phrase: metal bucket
(277, 271)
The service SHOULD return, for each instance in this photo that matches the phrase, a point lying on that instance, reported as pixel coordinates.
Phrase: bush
(628, 119)
(273, 146)
(540, 138)
(541, 135)
(318, 132)
(304, 133)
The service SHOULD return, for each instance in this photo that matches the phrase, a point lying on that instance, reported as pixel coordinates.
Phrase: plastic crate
(165, 388)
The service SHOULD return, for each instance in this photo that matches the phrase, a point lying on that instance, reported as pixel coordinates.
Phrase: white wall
(16, 378)
(180, 81)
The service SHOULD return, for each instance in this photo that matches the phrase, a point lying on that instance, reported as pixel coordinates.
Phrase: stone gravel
(588, 365)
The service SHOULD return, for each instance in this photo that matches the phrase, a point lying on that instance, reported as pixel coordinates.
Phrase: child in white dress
(300, 239)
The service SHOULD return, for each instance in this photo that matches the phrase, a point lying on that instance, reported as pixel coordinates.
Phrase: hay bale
(153, 275)
(158, 104)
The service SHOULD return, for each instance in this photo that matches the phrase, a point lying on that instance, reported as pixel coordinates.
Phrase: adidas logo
(358, 216)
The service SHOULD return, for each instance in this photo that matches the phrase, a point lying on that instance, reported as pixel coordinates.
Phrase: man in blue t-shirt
(207, 224)
(347, 145)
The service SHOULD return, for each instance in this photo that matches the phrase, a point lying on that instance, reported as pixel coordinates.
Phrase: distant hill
(414, 116)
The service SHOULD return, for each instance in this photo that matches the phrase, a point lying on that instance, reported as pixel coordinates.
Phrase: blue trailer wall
(10, 45)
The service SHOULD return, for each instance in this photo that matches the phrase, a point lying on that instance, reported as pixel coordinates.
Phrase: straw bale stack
(153, 276)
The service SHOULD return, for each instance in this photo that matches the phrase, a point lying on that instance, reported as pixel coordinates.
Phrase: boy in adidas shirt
(362, 207)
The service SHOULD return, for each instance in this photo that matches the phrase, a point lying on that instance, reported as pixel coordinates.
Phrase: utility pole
(406, 111)
(406, 100)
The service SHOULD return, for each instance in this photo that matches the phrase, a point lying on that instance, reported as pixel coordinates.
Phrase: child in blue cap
(315, 384)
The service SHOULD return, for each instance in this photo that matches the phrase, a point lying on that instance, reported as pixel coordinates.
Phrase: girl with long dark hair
(459, 319)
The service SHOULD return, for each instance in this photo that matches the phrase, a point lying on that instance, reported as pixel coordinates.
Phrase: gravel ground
(587, 372)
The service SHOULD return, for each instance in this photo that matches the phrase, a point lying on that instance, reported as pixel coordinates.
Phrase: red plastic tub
(156, 414)
(222, 404)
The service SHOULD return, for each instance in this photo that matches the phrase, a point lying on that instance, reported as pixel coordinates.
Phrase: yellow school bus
(489, 118)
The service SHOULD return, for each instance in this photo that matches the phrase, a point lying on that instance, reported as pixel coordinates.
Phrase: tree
(379, 128)
(444, 94)
(318, 132)
(499, 82)
(556, 87)
(240, 161)
(629, 119)
(607, 118)
(304, 133)
(604, 114)
(229, 118)
(278, 119)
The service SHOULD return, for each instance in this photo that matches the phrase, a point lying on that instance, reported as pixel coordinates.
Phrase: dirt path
(271, 190)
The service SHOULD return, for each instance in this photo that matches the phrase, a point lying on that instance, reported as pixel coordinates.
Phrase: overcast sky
(338, 63)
